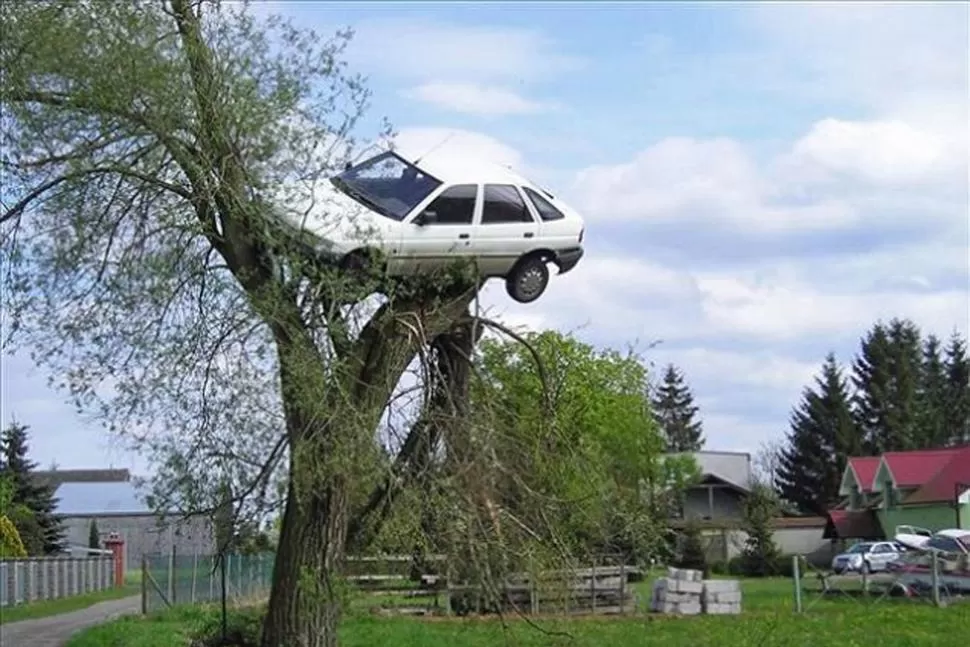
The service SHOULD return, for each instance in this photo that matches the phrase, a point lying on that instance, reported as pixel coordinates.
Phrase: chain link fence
(930, 580)
(169, 580)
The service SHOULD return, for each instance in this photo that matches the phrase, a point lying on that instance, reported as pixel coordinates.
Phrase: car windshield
(859, 548)
(387, 184)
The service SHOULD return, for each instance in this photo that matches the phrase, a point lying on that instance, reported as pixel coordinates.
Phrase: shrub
(692, 554)
(10, 543)
(243, 628)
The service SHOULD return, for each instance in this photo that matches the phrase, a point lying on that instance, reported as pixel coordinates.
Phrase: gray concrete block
(687, 586)
(718, 586)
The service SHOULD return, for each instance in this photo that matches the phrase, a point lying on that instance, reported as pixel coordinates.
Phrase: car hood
(335, 220)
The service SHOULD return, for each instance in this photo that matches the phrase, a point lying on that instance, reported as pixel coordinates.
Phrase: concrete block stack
(721, 597)
(679, 593)
(685, 592)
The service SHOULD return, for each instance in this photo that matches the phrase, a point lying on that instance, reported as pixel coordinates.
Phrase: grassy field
(768, 620)
(46, 608)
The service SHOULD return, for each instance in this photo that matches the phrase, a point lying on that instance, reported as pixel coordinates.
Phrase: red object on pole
(116, 545)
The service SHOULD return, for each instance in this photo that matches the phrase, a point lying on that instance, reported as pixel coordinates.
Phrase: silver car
(867, 557)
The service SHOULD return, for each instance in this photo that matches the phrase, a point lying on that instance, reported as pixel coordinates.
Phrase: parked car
(402, 218)
(867, 557)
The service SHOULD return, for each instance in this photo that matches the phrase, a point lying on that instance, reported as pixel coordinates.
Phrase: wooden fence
(50, 578)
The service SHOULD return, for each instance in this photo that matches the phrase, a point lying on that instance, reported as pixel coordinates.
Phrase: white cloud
(882, 152)
(426, 49)
(887, 56)
(765, 369)
(457, 143)
(472, 98)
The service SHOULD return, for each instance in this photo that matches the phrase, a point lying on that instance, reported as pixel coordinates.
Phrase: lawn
(767, 621)
(44, 608)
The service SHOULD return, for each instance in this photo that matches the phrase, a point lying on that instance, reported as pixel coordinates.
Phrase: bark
(304, 605)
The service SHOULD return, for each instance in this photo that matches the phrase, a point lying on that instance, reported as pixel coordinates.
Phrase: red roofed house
(926, 488)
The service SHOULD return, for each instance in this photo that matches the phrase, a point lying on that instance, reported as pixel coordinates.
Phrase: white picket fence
(50, 578)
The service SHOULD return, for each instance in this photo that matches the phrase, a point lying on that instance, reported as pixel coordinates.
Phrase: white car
(412, 217)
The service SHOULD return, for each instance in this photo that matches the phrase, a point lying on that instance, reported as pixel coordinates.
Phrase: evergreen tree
(692, 554)
(887, 374)
(823, 435)
(933, 395)
(957, 409)
(36, 497)
(761, 554)
(674, 407)
(94, 535)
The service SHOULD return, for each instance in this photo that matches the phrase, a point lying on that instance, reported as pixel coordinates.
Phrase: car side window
(545, 208)
(504, 205)
(455, 205)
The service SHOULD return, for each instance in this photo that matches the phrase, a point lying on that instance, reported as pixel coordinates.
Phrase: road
(54, 631)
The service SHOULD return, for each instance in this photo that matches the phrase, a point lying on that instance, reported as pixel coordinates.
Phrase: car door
(439, 232)
(882, 554)
(506, 230)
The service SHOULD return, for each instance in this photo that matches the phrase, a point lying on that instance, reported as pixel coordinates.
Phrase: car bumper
(568, 258)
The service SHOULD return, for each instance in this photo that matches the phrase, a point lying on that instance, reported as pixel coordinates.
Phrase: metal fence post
(797, 577)
(171, 576)
(195, 570)
(144, 585)
(935, 579)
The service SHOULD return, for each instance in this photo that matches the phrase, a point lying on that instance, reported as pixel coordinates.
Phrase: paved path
(54, 631)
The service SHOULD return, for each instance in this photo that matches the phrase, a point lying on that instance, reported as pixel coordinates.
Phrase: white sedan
(420, 216)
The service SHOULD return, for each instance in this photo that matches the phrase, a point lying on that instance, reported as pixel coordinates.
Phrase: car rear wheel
(528, 279)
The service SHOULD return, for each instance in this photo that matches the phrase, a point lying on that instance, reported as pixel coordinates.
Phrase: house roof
(731, 468)
(852, 524)
(942, 486)
(56, 477)
(865, 468)
(93, 498)
(917, 468)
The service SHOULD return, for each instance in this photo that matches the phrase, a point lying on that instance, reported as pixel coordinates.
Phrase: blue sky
(760, 182)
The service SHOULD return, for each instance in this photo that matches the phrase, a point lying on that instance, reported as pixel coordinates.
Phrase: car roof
(954, 533)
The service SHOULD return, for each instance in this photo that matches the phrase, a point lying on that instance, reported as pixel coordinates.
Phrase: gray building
(725, 480)
(114, 501)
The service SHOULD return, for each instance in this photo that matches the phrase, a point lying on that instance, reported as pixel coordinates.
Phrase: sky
(760, 182)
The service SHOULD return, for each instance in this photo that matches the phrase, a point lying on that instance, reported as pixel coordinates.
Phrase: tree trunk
(304, 606)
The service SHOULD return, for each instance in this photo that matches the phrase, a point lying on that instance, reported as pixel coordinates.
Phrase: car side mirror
(426, 218)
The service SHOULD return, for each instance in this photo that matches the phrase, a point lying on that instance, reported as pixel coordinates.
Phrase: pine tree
(823, 435)
(760, 556)
(957, 409)
(94, 535)
(674, 407)
(37, 497)
(887, 374)
(933, 395)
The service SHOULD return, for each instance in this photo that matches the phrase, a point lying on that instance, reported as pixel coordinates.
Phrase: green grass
(768, 621)
(44, 608)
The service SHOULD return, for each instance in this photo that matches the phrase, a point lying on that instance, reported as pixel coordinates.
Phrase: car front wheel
(528, 279)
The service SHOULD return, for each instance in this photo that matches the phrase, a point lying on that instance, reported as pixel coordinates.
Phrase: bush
(692, 554)
(243, 628)
(10, 543)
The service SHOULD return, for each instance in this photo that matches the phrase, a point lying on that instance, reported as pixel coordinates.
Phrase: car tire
(527, 281)
(361, 262)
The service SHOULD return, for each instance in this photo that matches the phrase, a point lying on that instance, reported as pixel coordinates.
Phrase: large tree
(674, 406)
(41, 527)
(933, 395)
(821, 438)
(887, 380)
(146, 146)
(956, 418)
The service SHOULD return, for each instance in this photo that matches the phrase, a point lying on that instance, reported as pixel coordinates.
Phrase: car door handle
(462, 236)
(528, 234)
